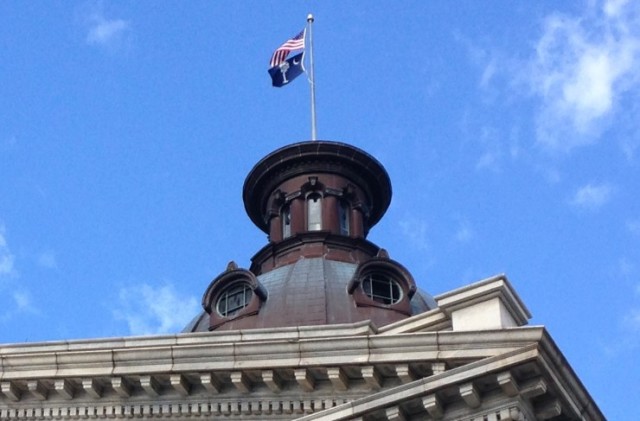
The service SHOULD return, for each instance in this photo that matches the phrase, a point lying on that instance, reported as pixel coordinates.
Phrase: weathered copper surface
(312, 291)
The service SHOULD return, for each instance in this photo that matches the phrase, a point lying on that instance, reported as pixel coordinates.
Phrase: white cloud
(6, 257)
(583, 68)
(19, 302)
(153, 310)
(634, 227)
(592, 196)
(515, 149)
(105, 32)
(23, 303)
(614, 7)
(632, 319)
(415, 231)
(629, 338)
(488, 73)
(22, 300)
(488, 160)
(16, 302)
(625, 267)
(630, 146)
(464, 233)
(47, 259)
(492, 145)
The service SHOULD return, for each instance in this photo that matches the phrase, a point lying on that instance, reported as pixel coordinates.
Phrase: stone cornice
(221, 337)
(557, 389)
(256, 349)
(565, 378)
(229, 374)
(494, 287)
(426, 386)
(430, 321)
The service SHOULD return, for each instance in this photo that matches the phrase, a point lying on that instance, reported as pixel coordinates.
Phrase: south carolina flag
(286, 71)
(283, 70)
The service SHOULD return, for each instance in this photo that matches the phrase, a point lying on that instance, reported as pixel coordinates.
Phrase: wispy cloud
(627, 338)
(17, 303)
(582, 69)
(464, 232)
(592, 196)
(491, 155)
(632, 319)
(23, 302)
(633, 226)
(626, 268)
(14, 299)
(47, 259)
(415, 231)
(488, 73)
(6, 257)
(105, 32)
(101, 30)
(492, 146)
(153, 310)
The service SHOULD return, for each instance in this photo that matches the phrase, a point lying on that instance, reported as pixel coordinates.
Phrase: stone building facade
(324, 325)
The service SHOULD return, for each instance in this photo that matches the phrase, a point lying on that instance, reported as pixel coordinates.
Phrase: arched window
(343, 217)
(234, 299)
(286, 221)
(314, 212)
(234, 294)
(381, 288)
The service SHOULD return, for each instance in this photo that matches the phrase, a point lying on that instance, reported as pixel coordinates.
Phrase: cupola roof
(312, 157)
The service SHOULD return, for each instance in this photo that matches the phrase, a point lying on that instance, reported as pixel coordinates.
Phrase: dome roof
(312, 291)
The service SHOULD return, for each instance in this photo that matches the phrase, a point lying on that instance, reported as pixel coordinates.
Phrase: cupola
(316, 201)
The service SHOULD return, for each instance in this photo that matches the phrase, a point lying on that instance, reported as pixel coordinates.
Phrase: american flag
(280, 55)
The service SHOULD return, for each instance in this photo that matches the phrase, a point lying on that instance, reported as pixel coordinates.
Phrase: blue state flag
(288, 70)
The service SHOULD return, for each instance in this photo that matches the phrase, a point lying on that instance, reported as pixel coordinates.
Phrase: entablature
(515, 382)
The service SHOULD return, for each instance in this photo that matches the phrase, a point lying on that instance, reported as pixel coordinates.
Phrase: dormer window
(233, 299)
(381, 288)
(314, 212)
(383, 283)
(233, 295)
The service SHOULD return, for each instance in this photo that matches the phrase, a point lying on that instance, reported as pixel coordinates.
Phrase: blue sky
(510, 131)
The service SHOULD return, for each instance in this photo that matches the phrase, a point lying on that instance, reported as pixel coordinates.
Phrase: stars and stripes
(295, 43)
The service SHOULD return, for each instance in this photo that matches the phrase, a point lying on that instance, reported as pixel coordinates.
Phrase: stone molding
(494, 287)
(286, 373)
(517, 402)
(199, 352)
(461, 299)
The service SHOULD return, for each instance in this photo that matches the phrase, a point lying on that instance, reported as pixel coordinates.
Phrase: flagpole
(312, 80)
